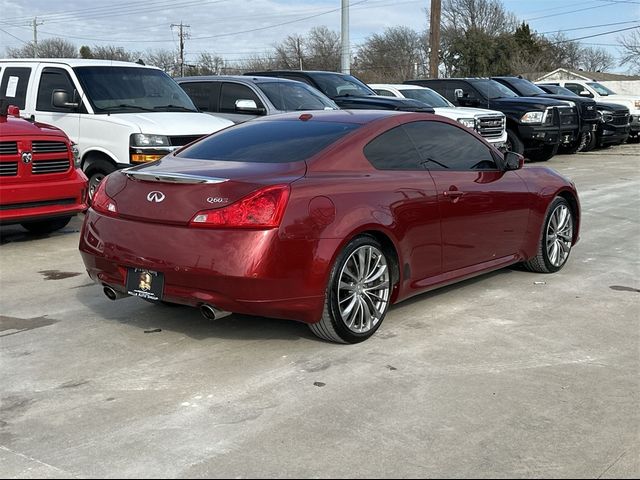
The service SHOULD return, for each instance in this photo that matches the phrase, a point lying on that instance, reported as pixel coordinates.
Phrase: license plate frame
(145, 283)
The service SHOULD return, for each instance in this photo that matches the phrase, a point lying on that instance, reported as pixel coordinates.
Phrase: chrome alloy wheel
(363, 289)
(559, 235)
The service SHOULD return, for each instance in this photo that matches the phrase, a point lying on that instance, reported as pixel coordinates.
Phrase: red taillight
(103, 203)
(261, 209)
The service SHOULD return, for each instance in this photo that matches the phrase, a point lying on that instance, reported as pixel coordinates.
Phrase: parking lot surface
(511, 374)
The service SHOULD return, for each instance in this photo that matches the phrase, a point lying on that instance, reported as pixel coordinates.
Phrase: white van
(117, 113)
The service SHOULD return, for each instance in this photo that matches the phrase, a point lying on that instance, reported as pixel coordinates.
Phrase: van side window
(14, 85)
(53, 79)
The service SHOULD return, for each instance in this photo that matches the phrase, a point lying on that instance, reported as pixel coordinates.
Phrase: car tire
(97, 170)
(591, 144)
(579, 145)
(556, 240)
(47, 226)
(358, 293)
(514, 144)
(544, 154)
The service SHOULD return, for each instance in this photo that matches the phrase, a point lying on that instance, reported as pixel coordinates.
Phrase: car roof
(78, 62)
(398, 86)
(341, 116)
(235, 78)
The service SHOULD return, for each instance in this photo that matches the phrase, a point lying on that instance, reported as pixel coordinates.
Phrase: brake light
(103, 203)
(263, 208)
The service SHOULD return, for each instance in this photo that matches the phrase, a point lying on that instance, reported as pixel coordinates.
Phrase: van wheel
(96, 173)
(47, 226)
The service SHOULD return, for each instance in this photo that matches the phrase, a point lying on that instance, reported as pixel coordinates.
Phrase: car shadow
(152, 318)
(18, 234)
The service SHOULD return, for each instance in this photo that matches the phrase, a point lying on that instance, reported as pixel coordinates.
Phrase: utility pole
(183, 35)
(434, 39)
(345, 62)
(35, 36)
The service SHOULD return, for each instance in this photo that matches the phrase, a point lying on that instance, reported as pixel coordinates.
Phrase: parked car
(612, 127)
(41, 187)
(533, 124)
(118, 113)
(326, 217)
(600, 93)
(240, 98)
(585, 108)
(348, 92)
(490, 124)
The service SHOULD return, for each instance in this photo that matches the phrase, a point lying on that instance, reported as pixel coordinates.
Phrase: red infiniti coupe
(326, 217)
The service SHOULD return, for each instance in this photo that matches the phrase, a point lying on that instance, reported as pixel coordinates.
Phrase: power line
(592, 36)
(566, 13)
(590, 26)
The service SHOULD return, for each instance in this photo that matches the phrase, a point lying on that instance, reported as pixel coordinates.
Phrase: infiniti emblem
(27, 157)
(155, 196)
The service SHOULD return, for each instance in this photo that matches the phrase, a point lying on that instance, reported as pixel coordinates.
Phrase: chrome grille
(490, 127)
(183, 140)
(49, 166)
(43, 146)
(8, 148)
(8, 169)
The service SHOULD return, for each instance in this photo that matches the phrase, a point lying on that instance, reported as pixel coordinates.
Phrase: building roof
(585, 75)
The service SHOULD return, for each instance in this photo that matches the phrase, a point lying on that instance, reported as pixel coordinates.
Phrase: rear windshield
(269, 141)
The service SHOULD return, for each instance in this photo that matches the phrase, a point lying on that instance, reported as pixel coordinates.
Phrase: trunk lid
(174, 190)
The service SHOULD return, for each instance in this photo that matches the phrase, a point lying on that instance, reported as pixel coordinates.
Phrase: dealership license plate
(145, 284)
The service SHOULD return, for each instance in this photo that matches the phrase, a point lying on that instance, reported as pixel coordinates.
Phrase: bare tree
(487, 16)
(254, 63)
(390, 57)
(323, 49)
(163, 59)
(113, 52)
(290, 53)
(631, 50)
(597, 60)
(47, 48)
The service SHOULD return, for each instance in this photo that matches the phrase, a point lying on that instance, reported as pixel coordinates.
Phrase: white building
(621, 84)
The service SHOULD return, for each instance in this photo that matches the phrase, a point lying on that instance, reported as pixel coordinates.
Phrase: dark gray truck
(536, 126)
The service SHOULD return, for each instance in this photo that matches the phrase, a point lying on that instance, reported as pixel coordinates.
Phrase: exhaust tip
(110, 293)
(208, 312)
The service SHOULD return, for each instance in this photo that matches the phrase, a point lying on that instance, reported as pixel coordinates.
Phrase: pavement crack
(612, 464)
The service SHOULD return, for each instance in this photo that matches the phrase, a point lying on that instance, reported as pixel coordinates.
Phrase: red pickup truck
(40, 186)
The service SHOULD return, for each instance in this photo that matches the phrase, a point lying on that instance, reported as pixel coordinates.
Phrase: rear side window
(269, 142)
(393, 150)
(200, 94)
(14, 85)
(447, 147)
(53, 79)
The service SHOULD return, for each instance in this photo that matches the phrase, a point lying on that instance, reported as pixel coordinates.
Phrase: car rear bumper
(254, 272)
(32, 201)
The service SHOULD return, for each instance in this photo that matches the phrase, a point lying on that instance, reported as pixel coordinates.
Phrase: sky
(238, 29)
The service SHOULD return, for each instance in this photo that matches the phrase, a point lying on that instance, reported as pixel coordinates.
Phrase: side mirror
(61, 100)
(585, 93)
(513, 161)
(248, 106)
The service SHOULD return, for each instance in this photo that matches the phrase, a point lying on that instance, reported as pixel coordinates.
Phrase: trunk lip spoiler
(168, 177)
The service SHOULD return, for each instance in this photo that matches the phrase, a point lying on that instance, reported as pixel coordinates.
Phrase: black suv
(579, 128)
(613, 119)
(533, 124)
(347, 91)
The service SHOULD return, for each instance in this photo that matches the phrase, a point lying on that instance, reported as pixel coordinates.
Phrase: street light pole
(345, 62)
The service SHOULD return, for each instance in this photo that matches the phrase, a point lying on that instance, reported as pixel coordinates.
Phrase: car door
(415, 209)
(230, 94)
(484, 210)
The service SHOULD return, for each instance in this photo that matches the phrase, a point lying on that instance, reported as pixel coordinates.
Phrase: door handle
(453, 194)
